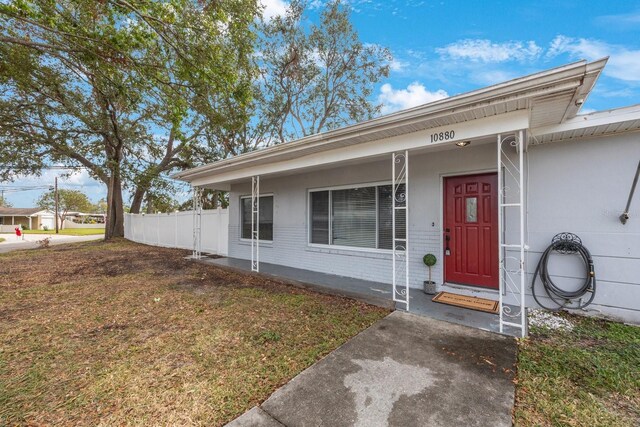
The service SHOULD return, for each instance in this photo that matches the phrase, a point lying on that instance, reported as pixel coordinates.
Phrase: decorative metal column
(255, 223)
(512, 275)
(197, 223)
(400, 238)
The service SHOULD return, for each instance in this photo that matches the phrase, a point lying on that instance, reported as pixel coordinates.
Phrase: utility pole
(56, 202)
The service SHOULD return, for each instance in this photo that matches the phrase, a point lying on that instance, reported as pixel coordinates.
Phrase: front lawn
(124, 334)
(69, 231)
(586, 377)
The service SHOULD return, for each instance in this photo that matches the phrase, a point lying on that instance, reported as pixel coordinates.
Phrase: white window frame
(244, 239)
(342, 247)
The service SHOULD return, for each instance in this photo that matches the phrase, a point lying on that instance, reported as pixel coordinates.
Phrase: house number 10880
(442, 136)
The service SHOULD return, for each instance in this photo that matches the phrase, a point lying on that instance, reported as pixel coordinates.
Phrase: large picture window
(266, 217)
(358, 217)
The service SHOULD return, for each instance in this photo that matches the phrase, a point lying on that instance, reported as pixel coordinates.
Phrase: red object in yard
(18, 232)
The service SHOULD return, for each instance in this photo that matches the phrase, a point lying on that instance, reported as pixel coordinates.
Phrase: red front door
(471, 230)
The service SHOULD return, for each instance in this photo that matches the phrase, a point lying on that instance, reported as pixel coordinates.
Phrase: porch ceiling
(542, 99)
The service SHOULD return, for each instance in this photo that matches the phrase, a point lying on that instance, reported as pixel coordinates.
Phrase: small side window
(265, 220)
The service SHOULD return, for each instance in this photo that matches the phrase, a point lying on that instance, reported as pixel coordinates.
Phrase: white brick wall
(579, 187)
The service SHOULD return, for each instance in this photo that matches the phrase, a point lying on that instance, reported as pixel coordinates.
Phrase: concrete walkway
(406, 370)
(12, 243)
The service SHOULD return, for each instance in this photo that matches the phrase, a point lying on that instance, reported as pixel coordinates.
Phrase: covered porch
(392, 275)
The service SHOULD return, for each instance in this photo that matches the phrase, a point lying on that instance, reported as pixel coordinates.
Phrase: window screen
(320, 217)
(385, 218)
(266, 218)
(354, 217)
(358, 217)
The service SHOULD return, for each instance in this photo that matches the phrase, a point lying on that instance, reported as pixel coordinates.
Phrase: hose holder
(566, 243)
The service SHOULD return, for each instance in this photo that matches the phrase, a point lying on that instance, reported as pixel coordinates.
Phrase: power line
(53, 167)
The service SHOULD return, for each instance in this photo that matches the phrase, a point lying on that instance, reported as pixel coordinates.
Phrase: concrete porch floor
(375, 293)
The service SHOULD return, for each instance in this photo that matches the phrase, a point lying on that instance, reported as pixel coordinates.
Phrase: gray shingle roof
(18, 211)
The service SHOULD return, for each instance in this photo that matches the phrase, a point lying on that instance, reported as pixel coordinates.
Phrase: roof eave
(513, 88)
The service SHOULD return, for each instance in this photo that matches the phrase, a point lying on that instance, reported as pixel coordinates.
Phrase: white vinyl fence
(175, 230)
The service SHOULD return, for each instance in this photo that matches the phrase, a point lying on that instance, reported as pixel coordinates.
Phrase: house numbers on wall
(443, 136)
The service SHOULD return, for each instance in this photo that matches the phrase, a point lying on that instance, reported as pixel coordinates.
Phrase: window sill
(362, 253)
(263, 243)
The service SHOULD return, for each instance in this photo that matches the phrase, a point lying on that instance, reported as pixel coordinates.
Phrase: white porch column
(511, 242)
(197, 223)
(255, 223)
(400, 212)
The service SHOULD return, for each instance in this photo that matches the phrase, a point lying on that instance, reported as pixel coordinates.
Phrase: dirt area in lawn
(125, 334)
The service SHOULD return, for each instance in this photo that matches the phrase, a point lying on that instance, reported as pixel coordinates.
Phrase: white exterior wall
(580, 187)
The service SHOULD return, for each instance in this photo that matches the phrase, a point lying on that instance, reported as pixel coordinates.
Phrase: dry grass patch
(125, 334)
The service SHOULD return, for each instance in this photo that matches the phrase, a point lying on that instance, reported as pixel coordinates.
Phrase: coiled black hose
(565, 243)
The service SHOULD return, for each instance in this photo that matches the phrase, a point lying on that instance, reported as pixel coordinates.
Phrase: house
(33, 218)
(484, 180)
(75, 219)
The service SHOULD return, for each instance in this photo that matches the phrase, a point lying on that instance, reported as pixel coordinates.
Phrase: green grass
(117, 333)
(69, 231)
(587, 377)
(2, 239)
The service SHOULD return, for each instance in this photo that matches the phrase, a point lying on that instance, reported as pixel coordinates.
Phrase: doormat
(473, 303)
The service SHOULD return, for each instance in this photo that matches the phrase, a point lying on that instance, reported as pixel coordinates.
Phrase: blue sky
(450, 47)
(443, 48)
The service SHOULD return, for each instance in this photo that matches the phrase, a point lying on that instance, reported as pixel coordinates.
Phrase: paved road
(405, 370)
(30, 240)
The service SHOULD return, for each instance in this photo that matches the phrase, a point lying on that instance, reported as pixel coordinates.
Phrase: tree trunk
(136, 202)
(150, 209)
(114, 226)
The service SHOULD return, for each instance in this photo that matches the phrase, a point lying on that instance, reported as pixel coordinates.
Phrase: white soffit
(600, 123)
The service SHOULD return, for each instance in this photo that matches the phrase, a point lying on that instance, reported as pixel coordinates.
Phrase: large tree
(4, 203)
(68, 201)
(129, 89)
(314, 77)
(317, 76)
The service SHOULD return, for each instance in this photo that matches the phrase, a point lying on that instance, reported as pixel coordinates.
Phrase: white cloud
(397, 65)
(482, 50)
(273, 8)
(400, 99)
(79, 180)
(624, 63)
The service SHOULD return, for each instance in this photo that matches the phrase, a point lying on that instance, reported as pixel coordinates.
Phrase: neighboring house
(492, 175)
(85, 218)
(33, 218)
